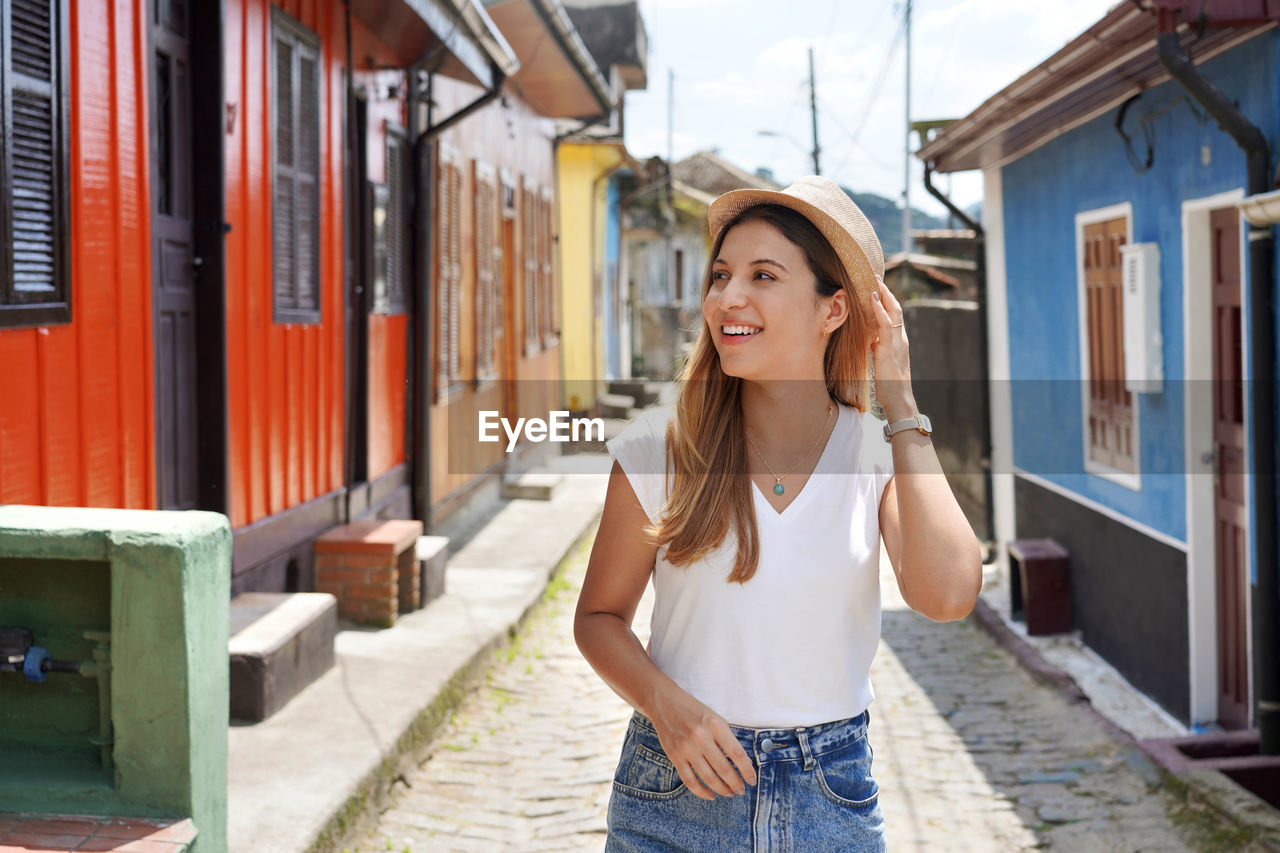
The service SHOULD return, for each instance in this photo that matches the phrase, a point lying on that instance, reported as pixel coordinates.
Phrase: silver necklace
(778, 488)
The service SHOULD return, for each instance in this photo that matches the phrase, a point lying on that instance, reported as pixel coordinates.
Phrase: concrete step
(433, 556)
(615, 405)
(280, 643)
(531, 485)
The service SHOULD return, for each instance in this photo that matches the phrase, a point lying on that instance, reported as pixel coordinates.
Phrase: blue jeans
(814, 793)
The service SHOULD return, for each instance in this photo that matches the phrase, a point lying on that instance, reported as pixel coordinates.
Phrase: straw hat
(831, 210)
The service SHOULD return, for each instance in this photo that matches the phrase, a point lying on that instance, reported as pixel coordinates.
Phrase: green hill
(886, 218)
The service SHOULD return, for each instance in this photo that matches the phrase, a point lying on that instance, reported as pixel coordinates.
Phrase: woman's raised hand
(704, 751)
(893, 366)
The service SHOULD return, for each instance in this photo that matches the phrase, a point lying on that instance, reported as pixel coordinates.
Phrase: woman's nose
(731, 294)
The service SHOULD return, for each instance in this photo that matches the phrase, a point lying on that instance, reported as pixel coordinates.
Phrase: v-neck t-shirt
(793, 645)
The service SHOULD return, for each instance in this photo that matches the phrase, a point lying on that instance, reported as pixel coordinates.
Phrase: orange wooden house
(258, 256)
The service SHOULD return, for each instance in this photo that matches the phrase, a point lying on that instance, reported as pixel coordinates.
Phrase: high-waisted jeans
(814, 793)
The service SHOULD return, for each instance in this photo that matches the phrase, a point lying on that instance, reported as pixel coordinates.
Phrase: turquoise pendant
(777, 490)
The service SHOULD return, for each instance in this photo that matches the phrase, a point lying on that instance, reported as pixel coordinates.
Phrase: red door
(1228, 494)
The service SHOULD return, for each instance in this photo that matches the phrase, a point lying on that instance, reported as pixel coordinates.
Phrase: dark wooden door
(174, 264)
(1228, 495)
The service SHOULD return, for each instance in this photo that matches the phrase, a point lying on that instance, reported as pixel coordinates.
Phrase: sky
(742, 66)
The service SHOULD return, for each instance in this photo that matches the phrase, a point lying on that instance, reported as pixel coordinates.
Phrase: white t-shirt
(793, 645)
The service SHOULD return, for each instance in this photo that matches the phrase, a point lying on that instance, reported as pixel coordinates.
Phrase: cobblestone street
(970, 752)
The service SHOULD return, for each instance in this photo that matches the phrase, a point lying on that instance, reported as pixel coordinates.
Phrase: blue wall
(1088, 169)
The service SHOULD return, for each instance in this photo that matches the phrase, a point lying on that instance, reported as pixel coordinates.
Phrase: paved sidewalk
(302, 778)
(971, 753)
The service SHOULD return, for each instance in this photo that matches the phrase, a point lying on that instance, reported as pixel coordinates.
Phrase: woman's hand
(700, 744)
(893, 367)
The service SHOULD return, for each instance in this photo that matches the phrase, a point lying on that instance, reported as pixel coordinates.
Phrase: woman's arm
(931, 546)
(934, 552)
(696, 739)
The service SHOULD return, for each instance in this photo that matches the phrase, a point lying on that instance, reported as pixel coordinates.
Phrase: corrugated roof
(1095, 72)
(711, 173)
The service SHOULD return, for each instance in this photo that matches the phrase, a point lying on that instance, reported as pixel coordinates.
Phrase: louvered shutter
(33, 286)
(295, 218)
(450, 270)
(486, 273)
(455, 253)
(397, 224)
(1110, 404)
(532, 304)
(546, 269)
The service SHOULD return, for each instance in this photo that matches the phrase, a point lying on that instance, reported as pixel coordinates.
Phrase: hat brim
(862, 274)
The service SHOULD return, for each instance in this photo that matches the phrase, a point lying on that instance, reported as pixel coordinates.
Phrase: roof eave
(1086, 64)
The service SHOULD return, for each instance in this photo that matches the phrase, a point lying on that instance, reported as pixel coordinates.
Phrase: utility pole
(813, 111)
(669, 226)
(906, 165)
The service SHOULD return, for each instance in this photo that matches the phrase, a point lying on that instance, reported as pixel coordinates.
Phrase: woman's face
(763, 309)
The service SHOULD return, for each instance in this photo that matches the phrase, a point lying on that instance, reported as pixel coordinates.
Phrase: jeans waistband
(783, 744)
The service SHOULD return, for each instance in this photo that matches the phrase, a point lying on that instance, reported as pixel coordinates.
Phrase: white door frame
(1197, 337)
(998, 370)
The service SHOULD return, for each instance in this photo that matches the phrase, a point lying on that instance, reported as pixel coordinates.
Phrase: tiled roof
(713, 174)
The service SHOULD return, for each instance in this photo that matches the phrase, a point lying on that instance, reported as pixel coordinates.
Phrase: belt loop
(803, 737)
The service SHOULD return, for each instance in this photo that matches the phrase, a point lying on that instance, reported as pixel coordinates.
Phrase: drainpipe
(1266, 683)
(424, 317)
(980, 273)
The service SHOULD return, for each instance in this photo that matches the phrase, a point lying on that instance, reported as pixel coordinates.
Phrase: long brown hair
(711, 487)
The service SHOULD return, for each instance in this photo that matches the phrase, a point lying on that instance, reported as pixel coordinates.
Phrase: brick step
(29, 831)
(280, 643)
(531, 485)
(372, 568)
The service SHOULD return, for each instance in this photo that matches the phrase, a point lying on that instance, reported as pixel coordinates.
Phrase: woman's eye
(719, 275)
(765, 274)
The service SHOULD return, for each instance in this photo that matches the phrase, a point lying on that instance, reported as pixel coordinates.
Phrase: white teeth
(739, 330)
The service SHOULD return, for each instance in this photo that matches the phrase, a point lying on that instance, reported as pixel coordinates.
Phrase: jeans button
(767, 744)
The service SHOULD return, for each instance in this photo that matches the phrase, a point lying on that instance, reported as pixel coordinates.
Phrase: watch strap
(920, 423)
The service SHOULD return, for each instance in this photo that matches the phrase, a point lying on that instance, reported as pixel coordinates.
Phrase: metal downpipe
(1262, 356)
(984, 364)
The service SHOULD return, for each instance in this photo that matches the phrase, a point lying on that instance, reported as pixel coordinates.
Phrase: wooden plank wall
(388, 333)
(514, 137)
(76, 421)
(285, 381)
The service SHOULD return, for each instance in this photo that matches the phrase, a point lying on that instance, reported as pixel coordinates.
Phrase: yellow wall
(581, 198)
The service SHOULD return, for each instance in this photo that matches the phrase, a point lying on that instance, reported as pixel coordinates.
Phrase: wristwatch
(919, 423)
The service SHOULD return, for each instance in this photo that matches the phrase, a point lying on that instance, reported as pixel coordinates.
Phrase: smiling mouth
(739, 331)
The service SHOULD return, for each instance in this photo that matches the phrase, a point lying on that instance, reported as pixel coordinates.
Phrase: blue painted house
(1132, 337)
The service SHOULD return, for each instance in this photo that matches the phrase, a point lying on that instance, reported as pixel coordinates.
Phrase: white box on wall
(1143, 340)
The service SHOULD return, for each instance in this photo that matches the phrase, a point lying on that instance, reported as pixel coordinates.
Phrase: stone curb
(351, 821)
(1231, 803)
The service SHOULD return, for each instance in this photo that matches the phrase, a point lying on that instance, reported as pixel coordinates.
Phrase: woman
(750, 731)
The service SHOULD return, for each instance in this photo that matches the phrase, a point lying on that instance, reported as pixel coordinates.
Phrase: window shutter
(397, 224)
(1110, 405)
(33, 157)
(532, 304)
(488, 258)
(295, 219)
(308, 179)
(450, 271)
(548, 292)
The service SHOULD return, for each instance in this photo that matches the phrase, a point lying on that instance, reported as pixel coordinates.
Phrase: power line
(881, 76)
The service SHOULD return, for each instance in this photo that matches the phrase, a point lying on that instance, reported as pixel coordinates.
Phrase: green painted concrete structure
(159, 583)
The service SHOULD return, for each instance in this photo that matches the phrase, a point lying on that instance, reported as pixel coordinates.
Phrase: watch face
(925, 424)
